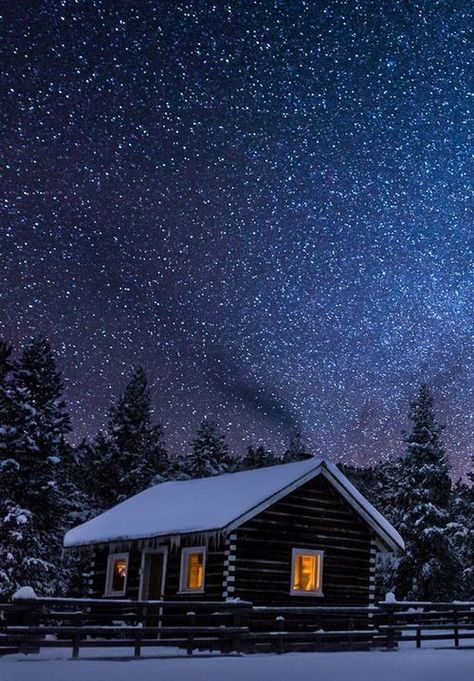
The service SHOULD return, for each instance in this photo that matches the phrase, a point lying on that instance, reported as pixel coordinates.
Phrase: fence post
(390, 629)
(237, 622)
(456, 626)
(280, 620)
(191, 621)
(138, 638)
(318, 628)
(351, 633)
(76, 638)
(26, 613)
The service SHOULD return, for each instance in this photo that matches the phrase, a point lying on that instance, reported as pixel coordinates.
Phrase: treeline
(47, 485)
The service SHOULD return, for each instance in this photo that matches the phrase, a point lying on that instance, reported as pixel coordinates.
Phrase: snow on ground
(403, 665)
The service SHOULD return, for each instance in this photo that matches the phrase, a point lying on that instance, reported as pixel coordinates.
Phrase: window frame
(297, 551)
(112, 557)
(183, 572)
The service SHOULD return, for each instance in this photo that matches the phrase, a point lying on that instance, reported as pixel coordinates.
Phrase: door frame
(146, 552)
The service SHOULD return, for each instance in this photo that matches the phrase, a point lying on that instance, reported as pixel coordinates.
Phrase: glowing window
(193, 563)
(306, 572)
(117, 574)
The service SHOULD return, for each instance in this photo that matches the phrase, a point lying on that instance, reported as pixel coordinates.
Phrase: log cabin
(292, 534)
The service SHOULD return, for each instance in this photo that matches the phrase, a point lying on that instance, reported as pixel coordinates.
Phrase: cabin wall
(254, 562)
(213, 573)
(314, 516)
(97, 588)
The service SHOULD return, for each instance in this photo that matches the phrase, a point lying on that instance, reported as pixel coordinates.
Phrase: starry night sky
(266, 204)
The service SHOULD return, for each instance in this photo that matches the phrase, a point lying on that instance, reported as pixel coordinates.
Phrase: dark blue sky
(267, 204)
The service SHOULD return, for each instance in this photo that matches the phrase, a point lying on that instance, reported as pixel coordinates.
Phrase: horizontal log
(67, 632)
(436, 637)
(305, 538)
(257, 550)
(362, 609)
(316, 514)
(124, 643)
(249, 574)
(314, 508)
(204, 604)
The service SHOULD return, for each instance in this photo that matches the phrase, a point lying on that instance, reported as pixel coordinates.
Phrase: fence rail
(28, 625)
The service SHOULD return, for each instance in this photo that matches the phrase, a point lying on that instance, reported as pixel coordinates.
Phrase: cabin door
(152, 583)
(153, 575)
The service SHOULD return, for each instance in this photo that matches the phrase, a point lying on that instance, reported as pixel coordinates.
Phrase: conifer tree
(209, 453)
(427, 569)
(361, 477)
(98, 474)
(137, 454)
(467, 557)
(463, 534)
(257, 457)
(32, 447)
(297, 450)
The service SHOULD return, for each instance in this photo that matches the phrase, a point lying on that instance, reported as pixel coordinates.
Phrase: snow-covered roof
(219, 503)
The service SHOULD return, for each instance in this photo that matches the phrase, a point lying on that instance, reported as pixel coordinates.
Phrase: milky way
(266, 204)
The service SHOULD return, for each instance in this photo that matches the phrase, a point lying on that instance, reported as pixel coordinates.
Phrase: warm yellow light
(306, 572)
(119, 574)
(195, 571)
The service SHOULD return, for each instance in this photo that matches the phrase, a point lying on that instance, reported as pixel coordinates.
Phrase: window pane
(119, 574)
(195, 571)
(306, 572)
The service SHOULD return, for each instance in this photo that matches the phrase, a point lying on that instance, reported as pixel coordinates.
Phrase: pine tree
(361, 477)
(297, 450)
(467, 577)
(209, 454)
(427, 569)
(32, 447)
(136, 452)
(98, 474)
(462, 529)
(257, 457)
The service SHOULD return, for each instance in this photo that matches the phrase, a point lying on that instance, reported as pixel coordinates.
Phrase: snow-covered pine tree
(209, 452)
(297, 450)
(462, 528)
(32, 445)
(15, 521)
(100, 473)
(137, 454)
(467, 557)
(257, 457)
(428, 568)
(96, 474)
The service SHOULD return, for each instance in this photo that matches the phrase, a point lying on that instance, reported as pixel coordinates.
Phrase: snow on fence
(29, 624)
(425, 621)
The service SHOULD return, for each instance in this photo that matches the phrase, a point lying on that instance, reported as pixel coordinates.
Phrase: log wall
(314, 516)
(213, 574)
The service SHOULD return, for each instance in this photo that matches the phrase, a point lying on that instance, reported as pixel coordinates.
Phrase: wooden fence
(27, 625)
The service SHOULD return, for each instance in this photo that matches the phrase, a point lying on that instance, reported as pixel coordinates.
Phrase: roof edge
(393, 541)
(266, 503)
(389, 537)
(340, 482)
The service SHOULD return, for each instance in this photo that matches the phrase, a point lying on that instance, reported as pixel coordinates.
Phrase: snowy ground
(403, 665)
